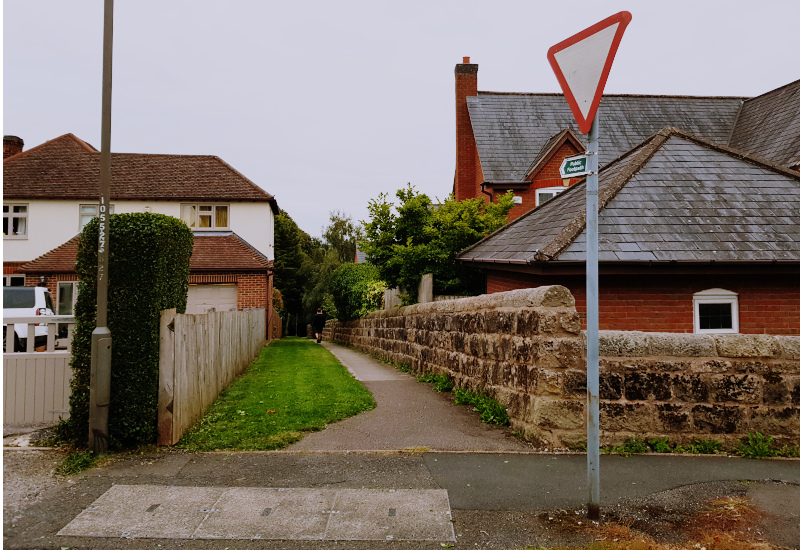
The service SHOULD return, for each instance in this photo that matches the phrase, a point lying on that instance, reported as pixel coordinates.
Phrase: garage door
(204, 297)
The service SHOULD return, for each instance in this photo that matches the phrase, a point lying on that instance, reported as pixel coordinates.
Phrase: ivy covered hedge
(148, 272)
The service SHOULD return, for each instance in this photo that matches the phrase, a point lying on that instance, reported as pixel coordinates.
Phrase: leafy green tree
(356, 289)
(341, 235)
(425, 238)
(289, 242)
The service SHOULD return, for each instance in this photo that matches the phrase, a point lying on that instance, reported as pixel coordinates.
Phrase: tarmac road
(497, 488)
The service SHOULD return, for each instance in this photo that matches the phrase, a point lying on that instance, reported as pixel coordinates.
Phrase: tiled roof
(219, 252)
(769, 126)
(225, 252)
(673, 198)
(68, 168)
(512, 129)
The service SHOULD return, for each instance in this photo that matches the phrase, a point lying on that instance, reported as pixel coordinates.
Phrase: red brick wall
(652, 303)
(468, 176)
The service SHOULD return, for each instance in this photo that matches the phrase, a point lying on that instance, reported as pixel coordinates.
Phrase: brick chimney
(468, 177)
(12, 145)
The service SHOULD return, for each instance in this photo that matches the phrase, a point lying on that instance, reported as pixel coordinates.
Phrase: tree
(356, 289)
(289, 240)
(426, 238)
(342, 235)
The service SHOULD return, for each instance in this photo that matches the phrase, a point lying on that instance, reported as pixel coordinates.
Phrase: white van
(24, 301)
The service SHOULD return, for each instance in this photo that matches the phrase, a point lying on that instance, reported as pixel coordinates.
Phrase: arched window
(716, 311)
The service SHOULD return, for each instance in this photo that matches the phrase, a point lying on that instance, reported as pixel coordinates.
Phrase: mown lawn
(294, 386)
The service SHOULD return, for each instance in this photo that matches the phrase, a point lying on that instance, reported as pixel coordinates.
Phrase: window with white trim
(544, 194)
(15, 221)
(716, 311)
(88, 211)
(205, 216)
(13, 280)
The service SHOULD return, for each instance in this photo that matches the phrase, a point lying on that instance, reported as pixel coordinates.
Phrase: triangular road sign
(582, 63)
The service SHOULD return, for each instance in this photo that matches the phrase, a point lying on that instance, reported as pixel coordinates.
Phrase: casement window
(546, 193)
(13, 280)
(88, 211)
(15, 221)
(205, 216)
(716, 311)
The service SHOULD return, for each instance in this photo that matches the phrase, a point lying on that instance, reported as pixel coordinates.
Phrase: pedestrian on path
(319, 324)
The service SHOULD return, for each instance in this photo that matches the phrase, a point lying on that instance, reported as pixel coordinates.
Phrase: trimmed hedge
(148, 272)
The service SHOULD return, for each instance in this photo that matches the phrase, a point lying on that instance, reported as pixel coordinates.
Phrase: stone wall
(525, 348)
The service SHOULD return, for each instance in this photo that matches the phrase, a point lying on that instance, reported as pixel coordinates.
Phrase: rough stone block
(741, 389)
(775, 420)
(611, 384)
(549, 382)
(570, 322)
(575, 441)
(643, 386)
(790, 346)
(574, 384)
(501, 321)
(718, 419)
(617, 343)
(776, 389)
(527, 322)
(626, 417)
(570, 353)
(682, 345)
(691, 387)
(673, 418)
(559, 414)
(521, 350)
(747, 345)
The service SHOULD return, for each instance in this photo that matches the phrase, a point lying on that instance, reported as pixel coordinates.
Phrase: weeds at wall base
(756, 445)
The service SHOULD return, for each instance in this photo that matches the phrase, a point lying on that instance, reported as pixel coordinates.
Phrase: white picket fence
(199, 356)
(36, 384)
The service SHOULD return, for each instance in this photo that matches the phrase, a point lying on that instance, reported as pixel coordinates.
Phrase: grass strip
(294, 386)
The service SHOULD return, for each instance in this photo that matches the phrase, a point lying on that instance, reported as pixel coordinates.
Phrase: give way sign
(582, 63)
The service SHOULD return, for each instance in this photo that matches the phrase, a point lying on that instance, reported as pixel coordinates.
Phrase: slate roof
(222, 251)
(675, 197)
(68, 168)
(769, 126)
(511, 129)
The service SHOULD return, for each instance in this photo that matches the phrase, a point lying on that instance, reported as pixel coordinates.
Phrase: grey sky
(327, 104)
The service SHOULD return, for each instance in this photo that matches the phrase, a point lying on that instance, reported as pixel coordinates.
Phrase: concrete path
(409, 416)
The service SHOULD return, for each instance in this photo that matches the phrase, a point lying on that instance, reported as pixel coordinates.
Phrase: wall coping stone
(631, 343)
(543, 296)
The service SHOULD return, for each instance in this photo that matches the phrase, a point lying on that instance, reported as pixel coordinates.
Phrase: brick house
(517, 141)
(50, 192)
(698, 224)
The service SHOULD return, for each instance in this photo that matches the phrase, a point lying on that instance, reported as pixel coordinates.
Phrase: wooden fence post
(166, 376)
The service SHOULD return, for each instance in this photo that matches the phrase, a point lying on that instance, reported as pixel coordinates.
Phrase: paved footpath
(454, 481)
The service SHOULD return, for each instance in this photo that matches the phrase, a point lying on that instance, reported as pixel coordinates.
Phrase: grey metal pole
(100, 382)
(592, 328)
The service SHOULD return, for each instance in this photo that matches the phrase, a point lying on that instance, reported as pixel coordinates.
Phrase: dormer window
(716, 311)
(205, 216)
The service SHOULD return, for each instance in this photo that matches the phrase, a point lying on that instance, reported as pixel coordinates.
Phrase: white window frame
(96, 207)
(10, 215)
(7, 279)
(74, 285)
(554, 190)
(716, 296)
(193, 224)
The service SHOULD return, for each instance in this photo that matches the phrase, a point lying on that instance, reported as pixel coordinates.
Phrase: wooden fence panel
(199, 357)
(36, 387)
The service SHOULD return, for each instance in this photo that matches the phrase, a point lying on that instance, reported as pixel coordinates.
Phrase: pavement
(415, 472)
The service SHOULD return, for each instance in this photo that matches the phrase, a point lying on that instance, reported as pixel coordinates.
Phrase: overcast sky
(327, 104)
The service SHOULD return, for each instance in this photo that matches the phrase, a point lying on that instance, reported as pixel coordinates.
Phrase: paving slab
(252, 513)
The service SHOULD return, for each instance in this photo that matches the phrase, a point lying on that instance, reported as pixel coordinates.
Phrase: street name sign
(574, 166)
(582, 63)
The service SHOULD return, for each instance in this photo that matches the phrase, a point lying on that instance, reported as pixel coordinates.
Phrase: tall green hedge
(148, 272)
(356, 289)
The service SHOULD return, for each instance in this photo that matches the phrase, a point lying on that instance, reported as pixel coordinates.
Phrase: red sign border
(623, 18)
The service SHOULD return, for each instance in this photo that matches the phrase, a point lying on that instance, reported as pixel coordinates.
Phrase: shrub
(757, 446)
(148, 272)
(491, 411)
(356, 290)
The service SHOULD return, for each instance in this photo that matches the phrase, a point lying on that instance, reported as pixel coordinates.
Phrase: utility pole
(100, 382)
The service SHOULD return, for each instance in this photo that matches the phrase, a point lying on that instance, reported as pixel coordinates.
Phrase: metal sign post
(592, 329)
(100, 382)
(581, 64)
